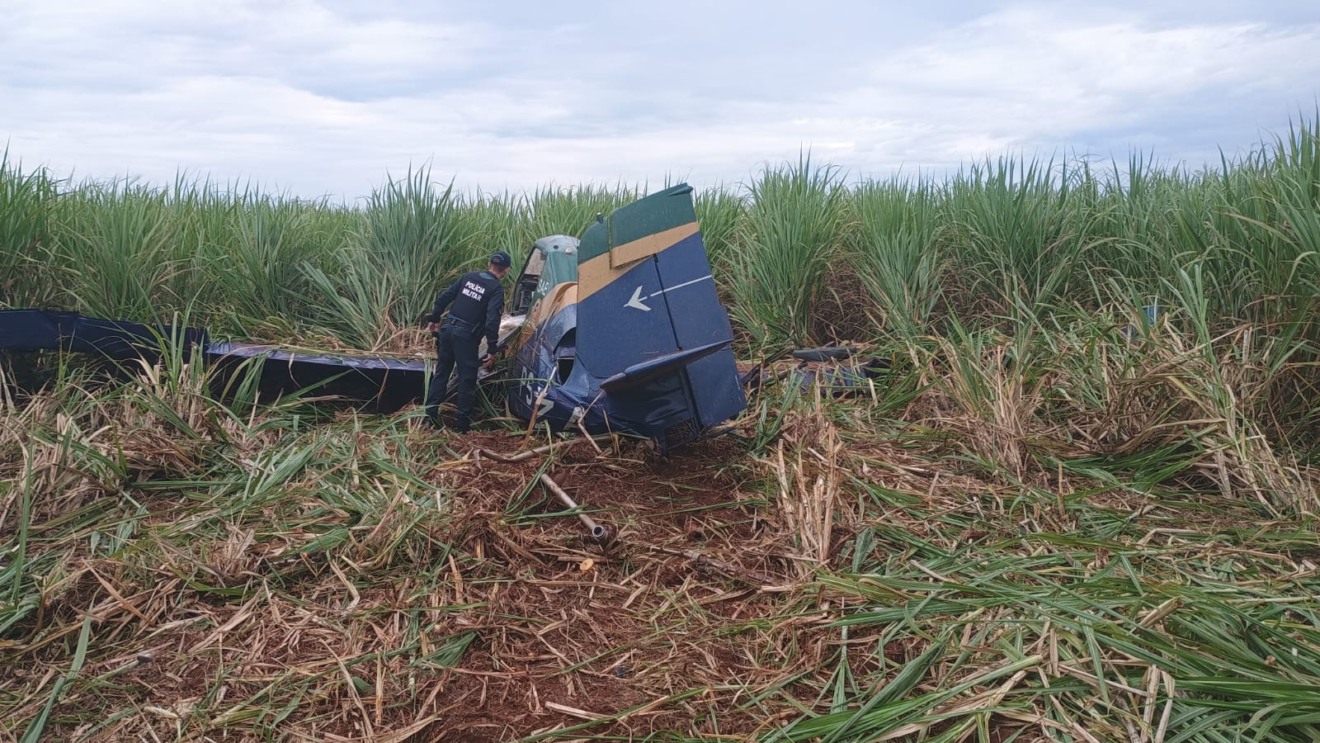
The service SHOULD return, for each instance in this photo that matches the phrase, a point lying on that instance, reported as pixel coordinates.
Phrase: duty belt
(460, 323)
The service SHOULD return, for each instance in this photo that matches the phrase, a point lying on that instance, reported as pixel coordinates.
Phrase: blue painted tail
(650, 324)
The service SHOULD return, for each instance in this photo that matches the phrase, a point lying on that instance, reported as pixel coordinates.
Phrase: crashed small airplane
(620, 331)
(623, 330)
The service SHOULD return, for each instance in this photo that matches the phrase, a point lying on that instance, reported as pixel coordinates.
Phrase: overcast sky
(328, 97)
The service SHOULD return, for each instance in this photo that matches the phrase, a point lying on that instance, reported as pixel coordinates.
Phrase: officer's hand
(433, 328)
(488, 360)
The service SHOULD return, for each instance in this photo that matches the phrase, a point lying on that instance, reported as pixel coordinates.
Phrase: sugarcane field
(1030, 452)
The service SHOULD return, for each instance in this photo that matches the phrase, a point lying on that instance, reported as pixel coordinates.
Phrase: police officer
(478, 301)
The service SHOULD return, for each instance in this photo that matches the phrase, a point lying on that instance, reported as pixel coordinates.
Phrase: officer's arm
(443, 301)
(494, 310)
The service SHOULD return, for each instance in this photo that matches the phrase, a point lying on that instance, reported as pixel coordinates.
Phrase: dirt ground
(692, 619)
(673, 606)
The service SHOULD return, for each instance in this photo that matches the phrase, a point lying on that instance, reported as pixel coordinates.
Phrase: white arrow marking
(636, 301)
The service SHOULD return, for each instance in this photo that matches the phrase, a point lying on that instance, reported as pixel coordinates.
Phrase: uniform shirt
(478, 300)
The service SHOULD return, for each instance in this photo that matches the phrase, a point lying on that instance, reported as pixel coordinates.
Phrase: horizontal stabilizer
(825, 353)
(640, 374)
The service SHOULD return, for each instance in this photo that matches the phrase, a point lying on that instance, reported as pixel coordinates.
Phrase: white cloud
(319, 98)
(143, 42)
(1034, 77)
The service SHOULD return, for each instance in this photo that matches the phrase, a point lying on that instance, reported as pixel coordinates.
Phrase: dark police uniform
(478, 302)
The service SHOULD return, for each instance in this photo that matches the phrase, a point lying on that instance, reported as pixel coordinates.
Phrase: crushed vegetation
(1079, 507)
(843, 568)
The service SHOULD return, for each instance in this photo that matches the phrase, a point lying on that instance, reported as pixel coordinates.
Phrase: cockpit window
(553, 261)
(525, 287)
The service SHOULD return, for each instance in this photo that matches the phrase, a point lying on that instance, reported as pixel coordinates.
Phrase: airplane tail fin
(650, 322)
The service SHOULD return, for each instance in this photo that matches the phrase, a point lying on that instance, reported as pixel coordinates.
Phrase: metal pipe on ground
(597, 533)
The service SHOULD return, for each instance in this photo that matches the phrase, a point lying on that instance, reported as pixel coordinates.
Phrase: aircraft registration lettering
(535, 399)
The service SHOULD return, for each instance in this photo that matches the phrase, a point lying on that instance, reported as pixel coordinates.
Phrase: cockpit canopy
(552, 261)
